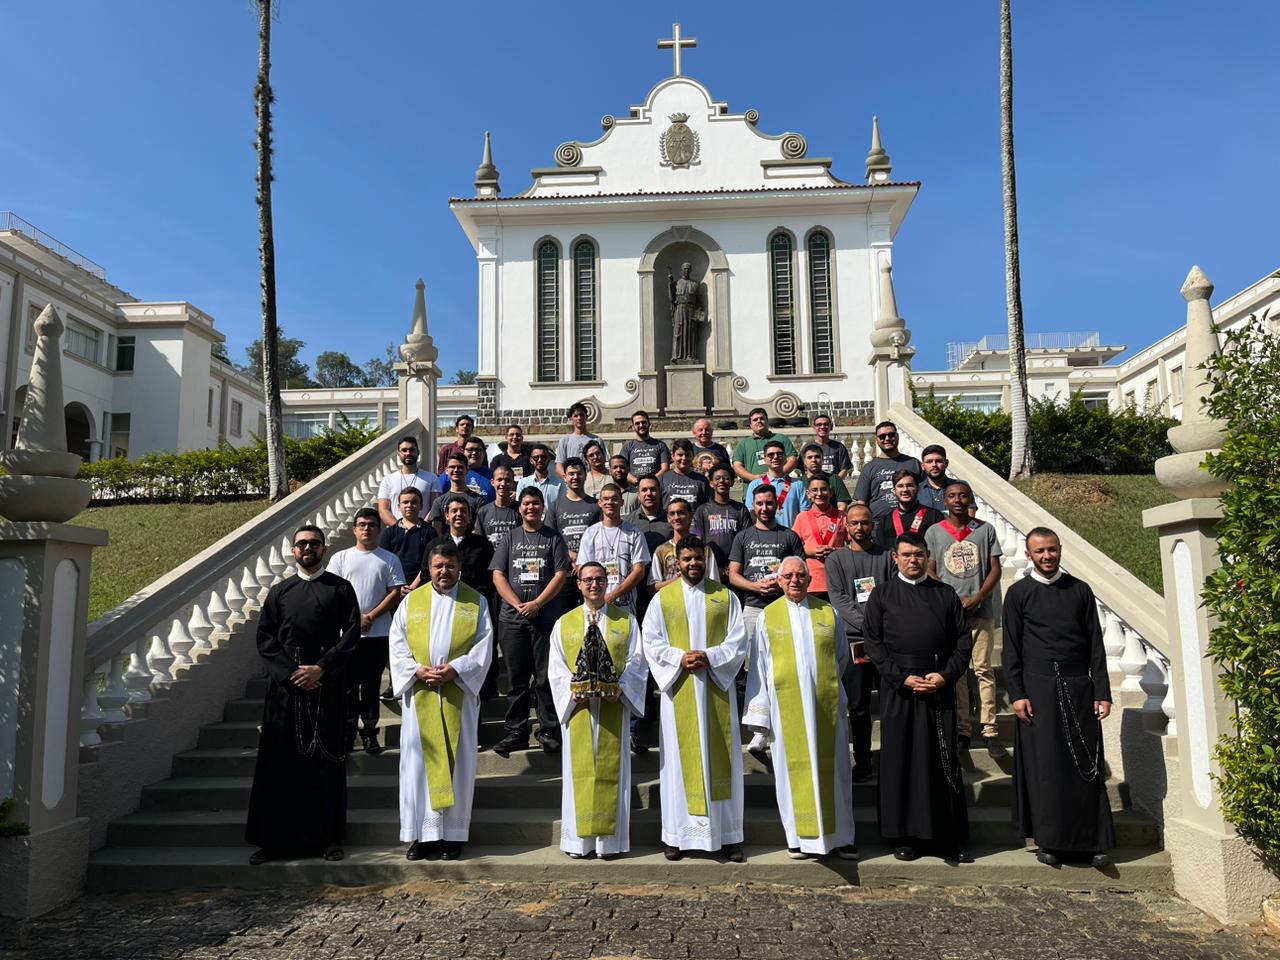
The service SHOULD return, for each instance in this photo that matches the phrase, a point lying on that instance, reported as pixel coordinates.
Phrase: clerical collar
(1041, 578)
(456, 538)
(915, 583)
(306, 575)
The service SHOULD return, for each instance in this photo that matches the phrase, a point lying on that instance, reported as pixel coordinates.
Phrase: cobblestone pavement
(538, 920)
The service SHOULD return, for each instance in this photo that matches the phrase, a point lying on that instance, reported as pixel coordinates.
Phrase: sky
(1146, 141)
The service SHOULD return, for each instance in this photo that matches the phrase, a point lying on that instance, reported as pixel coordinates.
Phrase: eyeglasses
(590, 580)
(775, 453)
(309, 545)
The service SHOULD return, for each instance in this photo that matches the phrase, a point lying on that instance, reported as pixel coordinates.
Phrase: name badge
(864, 586)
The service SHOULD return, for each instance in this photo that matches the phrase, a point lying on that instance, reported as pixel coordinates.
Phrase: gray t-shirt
(851, 576)
(493, 521)
(875, 482)
(644, 459)
(372, 573)
(835, 456)
(964, 564)
(571, 445)
(692, 488)
(570, 518)
(529, 561)
(761, 552)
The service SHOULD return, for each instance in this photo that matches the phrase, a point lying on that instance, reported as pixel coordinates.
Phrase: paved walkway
(543, 921)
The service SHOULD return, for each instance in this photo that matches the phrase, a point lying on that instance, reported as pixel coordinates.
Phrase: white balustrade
(137, 679)
(180, 643)
(113, 695)
(251, 589)
(262, 571)
(1169, 707)
(90, 712)
(277, 561)
(200, 627)
(159, 657)
(1112, 638)
(217, 610)
(331, 522)
(234, 598)
(1133, 661)
(1155, 684)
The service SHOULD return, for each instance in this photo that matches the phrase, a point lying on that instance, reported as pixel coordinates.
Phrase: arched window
(547, 318)
(586, 323)
(782, 303)
(822, 326)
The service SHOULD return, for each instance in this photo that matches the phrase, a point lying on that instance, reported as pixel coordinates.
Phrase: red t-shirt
(820, 529)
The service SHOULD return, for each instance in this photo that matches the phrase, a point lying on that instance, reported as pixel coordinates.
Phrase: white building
(138, 376)
(573, 272)
(1059, 365)
(311, 410)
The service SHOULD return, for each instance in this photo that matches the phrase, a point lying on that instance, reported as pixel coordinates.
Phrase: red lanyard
(915, 524)
(823, 525)
(785, 488)
(963, 532)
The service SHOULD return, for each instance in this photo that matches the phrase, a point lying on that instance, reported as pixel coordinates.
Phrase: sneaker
(577, 856)
(512, 741)
(672, 853)
(733, 853)
(795, 853)
(371, 745)
(995, 749)
(1047, 858)
(638, 748)
(387, 696)
(759, 748)
(848, 852)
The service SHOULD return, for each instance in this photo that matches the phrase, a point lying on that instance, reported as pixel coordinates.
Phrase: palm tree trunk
(278, 481)
(1021, 462)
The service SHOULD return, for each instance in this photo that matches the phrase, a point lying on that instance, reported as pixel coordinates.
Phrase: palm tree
(278, 480)
(1021, 462)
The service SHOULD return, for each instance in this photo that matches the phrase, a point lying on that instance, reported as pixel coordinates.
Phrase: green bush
(222, 473)
(1065, 437)
(8, 829)
(1244, 592)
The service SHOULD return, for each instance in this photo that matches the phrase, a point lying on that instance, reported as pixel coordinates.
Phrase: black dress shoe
(964, 856)
(510, 742)
(371, 745)
(638, 748)
(549, 743)
(610, 856)
(672, 853)
(334, 852)
(862, 773)
(450, 850)
(388, 696)
(905, 853)
(995, 749)
(762, 757)
(962, 743)
(848, 852)
(259, 857)
(1100, 860)
(1047, 858)
(417, 851)
(733, 853)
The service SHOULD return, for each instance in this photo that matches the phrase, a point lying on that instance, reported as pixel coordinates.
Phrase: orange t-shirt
(820, 529)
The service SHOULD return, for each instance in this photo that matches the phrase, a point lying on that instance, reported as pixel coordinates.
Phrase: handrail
(117, 629)
(1113, 585)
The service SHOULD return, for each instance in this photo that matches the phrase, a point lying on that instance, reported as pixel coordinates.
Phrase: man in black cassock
(915, 633)
(308, 630)
(1055, 669)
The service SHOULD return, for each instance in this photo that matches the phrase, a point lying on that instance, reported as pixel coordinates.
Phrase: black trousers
(858, 681)
(525, 646)
(364, 684)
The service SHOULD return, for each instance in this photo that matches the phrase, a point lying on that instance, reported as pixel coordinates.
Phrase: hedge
(222, 473)
(1065, 437)
(1243, 594)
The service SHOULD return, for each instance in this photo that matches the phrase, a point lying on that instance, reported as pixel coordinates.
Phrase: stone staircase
(188, 830)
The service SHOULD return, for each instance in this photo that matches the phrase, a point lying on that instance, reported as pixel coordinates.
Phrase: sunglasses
(886, 436)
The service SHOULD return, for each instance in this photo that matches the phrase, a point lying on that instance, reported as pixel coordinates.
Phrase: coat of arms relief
(679, 146)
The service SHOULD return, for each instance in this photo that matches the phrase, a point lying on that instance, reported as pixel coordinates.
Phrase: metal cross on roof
(675, 43)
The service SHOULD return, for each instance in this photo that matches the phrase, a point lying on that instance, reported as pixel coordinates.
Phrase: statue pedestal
(686, 389)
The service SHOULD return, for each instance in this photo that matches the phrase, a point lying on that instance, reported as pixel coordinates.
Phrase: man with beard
(875, 482)
(1056, 670)
(646, 456)
(408, 475)
(933, 462)
(463, 426)
(917, 638)
(307, 633)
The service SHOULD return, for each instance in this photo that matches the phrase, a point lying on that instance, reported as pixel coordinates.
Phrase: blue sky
(1146, 133)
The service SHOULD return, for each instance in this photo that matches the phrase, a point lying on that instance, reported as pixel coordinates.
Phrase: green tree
(1244, 592)
(269, 355)
(293, 371)
(382, 373)
(1021, 461)
(464, 377)
(219, 352)
(335, 369)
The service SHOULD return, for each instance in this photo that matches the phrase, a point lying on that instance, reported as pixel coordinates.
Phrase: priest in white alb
(597, 674)
(695, 642)
(441, 645)
(794, 694)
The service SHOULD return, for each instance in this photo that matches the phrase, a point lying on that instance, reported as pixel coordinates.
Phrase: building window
(262, 425)
(548, 313)
(1149, 397)
(1131, 400)
(237, 417)
(33, 313)
(302, 426)
(124, 353)
(1094, 401)
(782, 301)
(584, 310)
(820, 311)
(210, 413)
(1175, 385)
(390, 418)
(81, 340)
(118, 434)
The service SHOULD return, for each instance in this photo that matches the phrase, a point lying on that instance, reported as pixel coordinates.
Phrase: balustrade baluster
(90, 712)
(331, 522)
(180, 643)
(200, 627)
(137, 678)
(868, 451)
(1169, 705)
(1112, 637)
(1133, 661)
(159, 657)
(262, 570)
(113, 695)
(234, 598)
(1155, 684)
(217, 610)
(251, 589)
(277, 561)
(1012, 545)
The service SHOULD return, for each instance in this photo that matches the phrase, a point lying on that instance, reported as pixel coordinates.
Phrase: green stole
(439, 709)
(795, 740)
(688, 733)
(596, 770)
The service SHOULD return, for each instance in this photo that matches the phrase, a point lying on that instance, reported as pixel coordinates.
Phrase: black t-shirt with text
(761, 552)
(529, 561)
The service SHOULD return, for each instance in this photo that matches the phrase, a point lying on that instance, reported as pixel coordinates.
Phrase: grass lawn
(1107, 511)
(148, 540)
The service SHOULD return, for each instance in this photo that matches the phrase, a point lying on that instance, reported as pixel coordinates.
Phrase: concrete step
(168, 868)
(534, 790)
(533, 826)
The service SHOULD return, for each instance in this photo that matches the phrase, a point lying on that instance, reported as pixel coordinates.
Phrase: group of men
(732, 617)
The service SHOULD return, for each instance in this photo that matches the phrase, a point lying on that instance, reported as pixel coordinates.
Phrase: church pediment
(680, 139)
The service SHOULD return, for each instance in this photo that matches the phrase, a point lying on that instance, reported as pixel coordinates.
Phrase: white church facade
(577, 274)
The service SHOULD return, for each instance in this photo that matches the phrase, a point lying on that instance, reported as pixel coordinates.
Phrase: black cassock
(1053, 656)
(914, 630)
(299, 798)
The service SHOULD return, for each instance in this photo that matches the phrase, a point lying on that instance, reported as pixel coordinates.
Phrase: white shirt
(372, 573)
(1040, 577)
(394, 483)
(915, 583)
